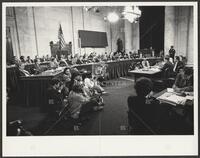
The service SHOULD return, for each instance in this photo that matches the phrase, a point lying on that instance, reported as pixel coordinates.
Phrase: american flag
(61, 38)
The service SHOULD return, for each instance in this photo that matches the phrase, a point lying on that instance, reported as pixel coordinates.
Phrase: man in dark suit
(172, 52)
(178, 65)
(37, 67)
(55, 96)
(167, 68)
(22, 71)
(167, 64)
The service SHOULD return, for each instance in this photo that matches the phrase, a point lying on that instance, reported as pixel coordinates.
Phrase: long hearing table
(150, 72)
(32, 90)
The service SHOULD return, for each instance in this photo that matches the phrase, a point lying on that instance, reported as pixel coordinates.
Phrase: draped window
(9, 48)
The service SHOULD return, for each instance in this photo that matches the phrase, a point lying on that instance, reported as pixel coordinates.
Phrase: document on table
(172, 99)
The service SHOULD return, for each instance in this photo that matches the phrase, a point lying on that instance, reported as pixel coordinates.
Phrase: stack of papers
(173, 99)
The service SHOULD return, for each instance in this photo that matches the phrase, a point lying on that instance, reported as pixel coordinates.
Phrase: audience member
(92, 83)
(55, 98)
(80, 104)
(66, 80)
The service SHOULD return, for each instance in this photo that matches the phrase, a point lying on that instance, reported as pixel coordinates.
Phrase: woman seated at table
(184, 80)
(141, 105)
(145, 63)
(80, 103)
(53, 63)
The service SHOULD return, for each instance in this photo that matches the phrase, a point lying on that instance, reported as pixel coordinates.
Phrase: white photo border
(100, 145)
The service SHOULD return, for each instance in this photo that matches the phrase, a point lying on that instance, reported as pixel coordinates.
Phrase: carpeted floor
(112, 120)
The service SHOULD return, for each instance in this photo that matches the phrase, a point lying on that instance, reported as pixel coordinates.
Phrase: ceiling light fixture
(132, 14)
(112, 17)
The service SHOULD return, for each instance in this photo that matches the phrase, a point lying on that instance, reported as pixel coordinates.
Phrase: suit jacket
(172, 53)
(24, 72)
(177, 66)
(146, 111)
(54, 99)
(168, 65)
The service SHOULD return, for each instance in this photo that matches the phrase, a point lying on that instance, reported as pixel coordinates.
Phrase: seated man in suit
(37, 67)
(167, 68)
(184, 80)
(29, 60)
(178, 65)
(22, 59)
(79, 60)
(167, 64)
(22, 71)
(62, 61)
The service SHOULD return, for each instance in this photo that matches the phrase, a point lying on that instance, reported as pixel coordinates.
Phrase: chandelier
(132, 14)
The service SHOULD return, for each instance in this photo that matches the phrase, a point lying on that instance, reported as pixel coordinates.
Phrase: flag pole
(59, 29)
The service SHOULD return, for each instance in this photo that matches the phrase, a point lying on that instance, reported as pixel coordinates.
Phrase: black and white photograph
(93, 72)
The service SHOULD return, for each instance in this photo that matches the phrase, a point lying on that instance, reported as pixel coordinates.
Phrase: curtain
(9, 48)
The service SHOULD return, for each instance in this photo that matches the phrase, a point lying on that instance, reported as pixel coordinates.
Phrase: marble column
(190, 49)
(128, 36)
(170, 28)
(135, 36)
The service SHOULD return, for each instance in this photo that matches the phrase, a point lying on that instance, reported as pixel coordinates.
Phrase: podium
(55, 49)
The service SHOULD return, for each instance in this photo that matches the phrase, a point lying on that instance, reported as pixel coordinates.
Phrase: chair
(169, 78)
(137, 126)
